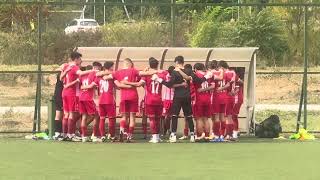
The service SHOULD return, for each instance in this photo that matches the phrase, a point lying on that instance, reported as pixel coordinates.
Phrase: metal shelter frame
(173, 4)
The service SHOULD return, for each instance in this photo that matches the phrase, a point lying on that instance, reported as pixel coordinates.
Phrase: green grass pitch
(250, 159)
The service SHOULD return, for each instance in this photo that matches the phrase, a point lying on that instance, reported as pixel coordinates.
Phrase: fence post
(51, 117)
(305, 87)
(173, 23)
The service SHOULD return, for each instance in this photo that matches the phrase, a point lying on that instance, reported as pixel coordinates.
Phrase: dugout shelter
(240, 57)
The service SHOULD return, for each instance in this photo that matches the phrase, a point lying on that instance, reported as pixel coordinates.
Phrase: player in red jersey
(167, 98)
(230, 78)
(69, 76)
(129, 97)
(153, 100)
(201, 110)
(87, 107)
(107, 103)
(238, 100)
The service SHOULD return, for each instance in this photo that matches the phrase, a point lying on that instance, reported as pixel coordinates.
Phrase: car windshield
(88, 23)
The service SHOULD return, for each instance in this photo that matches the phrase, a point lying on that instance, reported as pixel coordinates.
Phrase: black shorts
(184, 103)
(58, 103)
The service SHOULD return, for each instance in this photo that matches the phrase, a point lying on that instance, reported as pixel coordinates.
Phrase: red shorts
(219, 108)
(201, 110)
(87, 107)
(167, 104)
(236, 108)
(70, 104)
(153, 110)
(107, 110)
(229, 106)
(129, 106)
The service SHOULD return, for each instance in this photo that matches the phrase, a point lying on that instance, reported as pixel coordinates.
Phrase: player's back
(153, 90)
(106, 90)
(69, 78)
(167, 93)
(86, 80)
(130, 75)
(201, 97)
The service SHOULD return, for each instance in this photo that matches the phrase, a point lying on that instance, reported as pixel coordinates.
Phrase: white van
(81, 25)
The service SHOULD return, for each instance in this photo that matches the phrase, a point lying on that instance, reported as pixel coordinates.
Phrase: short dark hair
(199, 67)
(223, 64)
(171, 69)
(108, 64)
(213, 64)
(83, 68)
(96, 64)
(188, 66)
(128, 60)
(89, 67)
(153, 63)
(179, 60)
(75, 55)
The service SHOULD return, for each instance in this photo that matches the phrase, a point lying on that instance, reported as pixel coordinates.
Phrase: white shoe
(173, 138)
(183, 138)
(153, 140)
(192, 138)
(96, 139)
(85, 139)
(235, 134)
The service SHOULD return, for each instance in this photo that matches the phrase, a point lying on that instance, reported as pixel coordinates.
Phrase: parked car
(81, 25)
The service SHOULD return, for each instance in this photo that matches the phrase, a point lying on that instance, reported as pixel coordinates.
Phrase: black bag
(269, 128)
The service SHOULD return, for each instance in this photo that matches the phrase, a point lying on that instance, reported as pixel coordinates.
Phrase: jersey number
(104, 86)
(154, 87)
(204, 85)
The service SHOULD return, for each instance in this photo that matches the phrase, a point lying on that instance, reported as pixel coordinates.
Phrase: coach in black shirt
(182, 98)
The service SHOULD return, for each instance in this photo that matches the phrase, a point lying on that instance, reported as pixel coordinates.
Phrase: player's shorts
(167, 104)
(87, 107)
(58, 103)
(201, 110)
(229, 106)
(154, 110)
(218, 108)
(129, 106)
(236, 108)
(107, 110)
(70, 104)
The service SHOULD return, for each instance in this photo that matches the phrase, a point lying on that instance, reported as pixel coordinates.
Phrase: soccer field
(250, 159)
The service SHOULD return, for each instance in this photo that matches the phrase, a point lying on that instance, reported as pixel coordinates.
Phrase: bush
(143, 33)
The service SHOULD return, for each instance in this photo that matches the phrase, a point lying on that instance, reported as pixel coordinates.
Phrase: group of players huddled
(214, 92)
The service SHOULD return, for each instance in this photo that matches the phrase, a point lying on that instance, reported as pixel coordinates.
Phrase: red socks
(223, 128)
(131, 130)
(186, 131)
(71, 123)
(229, 129)
(123, 125)
(216, 128)
(83, 131)
(153, 125)
(235, 122)
(112, 126)
(102, 126)
(65, 125)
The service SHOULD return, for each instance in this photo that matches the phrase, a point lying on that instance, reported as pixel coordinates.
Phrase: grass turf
(250, 159)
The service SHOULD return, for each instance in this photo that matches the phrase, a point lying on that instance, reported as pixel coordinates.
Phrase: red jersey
(105, 89)
(85, 80)
(70, 77)
(153, 90)
(131, 75)
(192, 92)
(230, 78)
(202, 98)
(238, 98)
(167, 93)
